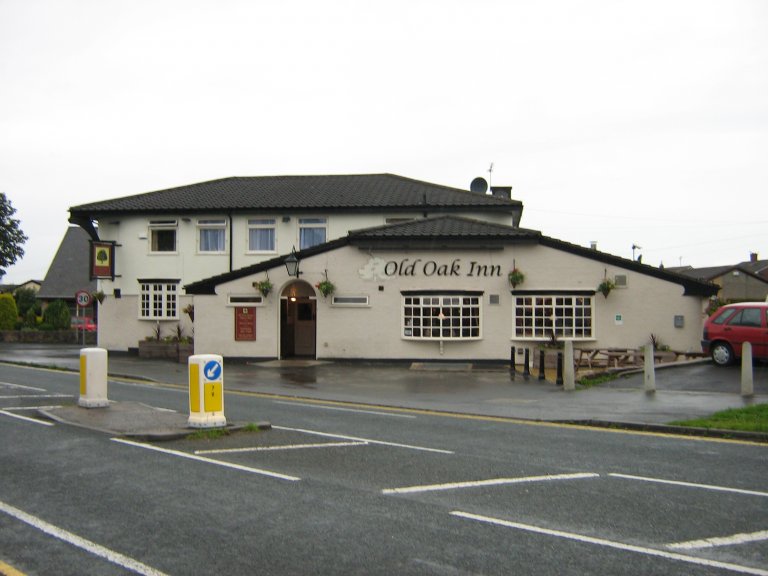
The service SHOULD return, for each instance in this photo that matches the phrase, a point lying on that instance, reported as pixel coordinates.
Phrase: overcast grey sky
(624, 122)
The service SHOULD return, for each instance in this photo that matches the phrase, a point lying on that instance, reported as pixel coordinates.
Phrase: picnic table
(612, 357)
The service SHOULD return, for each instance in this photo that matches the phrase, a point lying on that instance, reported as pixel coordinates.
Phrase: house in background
(33, 285)
(69, 272)
(743, 282)
(420, 271)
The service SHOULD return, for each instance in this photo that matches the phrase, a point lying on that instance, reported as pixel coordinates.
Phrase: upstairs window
(162, 235)
(261, 235)
(212, 235)
(312, 231)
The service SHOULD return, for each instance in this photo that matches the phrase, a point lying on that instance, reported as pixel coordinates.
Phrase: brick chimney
(753, 257)
(502, 192)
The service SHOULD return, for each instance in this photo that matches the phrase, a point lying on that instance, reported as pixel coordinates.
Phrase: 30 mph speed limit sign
(83, 298)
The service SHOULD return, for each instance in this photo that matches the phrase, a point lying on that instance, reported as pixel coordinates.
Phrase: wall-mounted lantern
(292, 264)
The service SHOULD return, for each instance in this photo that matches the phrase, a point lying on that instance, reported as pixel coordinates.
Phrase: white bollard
(569, 374)
(93, 378)
(649, 369)
(747, 376)
(206, 391)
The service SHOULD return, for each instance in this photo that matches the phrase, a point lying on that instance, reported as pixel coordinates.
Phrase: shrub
(57, 315)
(8, 312)
(26, 300)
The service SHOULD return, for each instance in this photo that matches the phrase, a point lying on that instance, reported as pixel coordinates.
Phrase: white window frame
(311, 223)
(218, 224)
(163, 226)
(570, 315)
(158, 299)
(261, 224)
(461, 319)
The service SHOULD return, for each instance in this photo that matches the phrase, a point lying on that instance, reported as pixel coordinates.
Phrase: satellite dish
(479, 185)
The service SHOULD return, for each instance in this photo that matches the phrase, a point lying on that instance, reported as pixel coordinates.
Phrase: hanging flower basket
(605, 287)
(265, 287)
(516, 277)
(326, 287)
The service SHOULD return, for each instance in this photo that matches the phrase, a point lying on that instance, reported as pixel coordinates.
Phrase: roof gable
(456, 232)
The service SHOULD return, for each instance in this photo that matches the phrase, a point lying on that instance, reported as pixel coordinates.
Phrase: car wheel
(722, 354)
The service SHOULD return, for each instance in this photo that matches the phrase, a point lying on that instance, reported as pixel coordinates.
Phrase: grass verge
(216, 433)
(749, 419)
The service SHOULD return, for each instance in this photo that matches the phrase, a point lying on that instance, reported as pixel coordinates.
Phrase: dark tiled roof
(69, 272)
(278, 193)
(452, 231)
(444, 227)
(713, 272)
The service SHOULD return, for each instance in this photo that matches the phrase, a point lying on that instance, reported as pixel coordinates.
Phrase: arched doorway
(298, 324)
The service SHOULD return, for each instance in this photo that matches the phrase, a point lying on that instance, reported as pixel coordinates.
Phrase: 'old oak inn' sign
(377, 268)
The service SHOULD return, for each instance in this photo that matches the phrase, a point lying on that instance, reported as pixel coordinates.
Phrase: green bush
(26, 300)
(8, 312)
(57, 315)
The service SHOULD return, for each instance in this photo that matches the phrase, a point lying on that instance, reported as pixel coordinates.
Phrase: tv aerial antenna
(490, 174)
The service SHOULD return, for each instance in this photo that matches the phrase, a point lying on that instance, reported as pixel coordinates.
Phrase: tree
(57, 315)
(8, 312)
(11, 236)
(25, 300)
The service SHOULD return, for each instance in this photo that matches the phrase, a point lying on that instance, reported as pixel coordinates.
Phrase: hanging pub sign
(245, 323)
(102, 260)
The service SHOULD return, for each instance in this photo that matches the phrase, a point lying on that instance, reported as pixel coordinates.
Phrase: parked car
(733, 324)
(84, 323)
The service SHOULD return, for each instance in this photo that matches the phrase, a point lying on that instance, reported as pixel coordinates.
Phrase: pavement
(684, 391)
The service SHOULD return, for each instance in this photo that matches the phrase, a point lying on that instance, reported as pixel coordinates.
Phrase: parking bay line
(720, 541)
(25, 418)
(367, 440)
(23, 387)
(611, 544)
(79, 542)
(319, 407)
(691, 485)
(276, 448)
(208, 460)
(491, 482)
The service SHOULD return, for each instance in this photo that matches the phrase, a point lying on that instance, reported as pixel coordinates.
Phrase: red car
(84, 323)
(727, 329)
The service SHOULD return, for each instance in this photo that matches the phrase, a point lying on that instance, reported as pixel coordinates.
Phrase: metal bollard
(559, 380)
(747, 374)
(512, 363)
(542, 359)
(527, 363)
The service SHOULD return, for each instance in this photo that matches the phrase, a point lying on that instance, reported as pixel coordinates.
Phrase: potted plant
(516, 277)
(326, 287)
(605, 287)
(264, 286)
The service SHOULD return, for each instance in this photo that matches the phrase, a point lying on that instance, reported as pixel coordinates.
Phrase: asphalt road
(339, 490)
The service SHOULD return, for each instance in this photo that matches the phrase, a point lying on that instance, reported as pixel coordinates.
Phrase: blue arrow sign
(212, 370)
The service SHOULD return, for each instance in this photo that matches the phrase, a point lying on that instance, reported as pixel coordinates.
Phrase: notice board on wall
(245, 323)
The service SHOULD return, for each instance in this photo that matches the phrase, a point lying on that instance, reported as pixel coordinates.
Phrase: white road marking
(491, 482)
(75, 540)
(691, 485)
(32, 407)
(25, 418)
(23, 387)
(367, 440)
(321, 407)
(720, 541)
(275, 448)
(612, 544)
(37, 396)
(207, 460)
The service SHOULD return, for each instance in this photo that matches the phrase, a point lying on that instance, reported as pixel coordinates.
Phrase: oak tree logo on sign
(102, 260)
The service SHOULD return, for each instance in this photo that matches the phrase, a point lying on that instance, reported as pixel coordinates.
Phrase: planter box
(152, 349)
